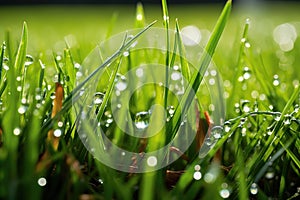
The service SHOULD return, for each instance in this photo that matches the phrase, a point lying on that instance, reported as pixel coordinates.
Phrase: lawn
(113, 102)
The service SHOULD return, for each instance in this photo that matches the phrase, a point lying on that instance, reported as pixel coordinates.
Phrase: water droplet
(5, 65)
(77, 66)
(227, 129)
(241, 79)
(139, 72)
(270, 174)
(213, 72)
(19, 78)
(209, 177)
(57, 132)
(109, 121)
(38, 97)
(287, 121)
(121, 85)
(211, 107)
(176, 67)
(209, 141)
(17, 131)
(60, 124)
(58, 58)
(197, 167)
(246, 75)
(142, 120)
(28, 60)
(19, 88)
(175, 76)
(22, 109)
(81, 92)
(79, 74)
(217, 131)
(119, 105)
(123, 153)
(126, 53)
(171, 110)
(152, 161)
(197, 175)
(277, 118)
(247, 45)
(254, 189)
(224, 193)
(269, 132)
(211, 81)
(244, 131)
(100, 181)
(42, 181)
(52, 96)
(98, 98)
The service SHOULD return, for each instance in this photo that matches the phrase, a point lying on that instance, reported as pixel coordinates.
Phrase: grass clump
(43, 153)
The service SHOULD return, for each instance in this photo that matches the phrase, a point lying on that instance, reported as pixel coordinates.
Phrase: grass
(43, 112)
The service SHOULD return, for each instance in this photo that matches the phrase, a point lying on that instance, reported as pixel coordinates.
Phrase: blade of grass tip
(140, 20)
(184, 64)
(166, 25)
(204, 63)
(21, 54)
(238, 69)
(111, 25)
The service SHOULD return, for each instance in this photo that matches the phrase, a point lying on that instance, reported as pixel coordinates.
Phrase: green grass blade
(21, 53)
(109, 90)
(184, 64)
(166, 25)
(42, 74)
(204, 63)
(1, 59)
(140, 20)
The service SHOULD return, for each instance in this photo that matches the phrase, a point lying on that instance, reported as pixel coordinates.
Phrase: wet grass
(47, 73)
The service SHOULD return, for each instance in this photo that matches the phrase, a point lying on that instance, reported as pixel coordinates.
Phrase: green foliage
(257, 156)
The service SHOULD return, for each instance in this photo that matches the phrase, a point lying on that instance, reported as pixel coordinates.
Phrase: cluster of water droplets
(213, 135)
(197, 174)
(225, 191)
(177, 83)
